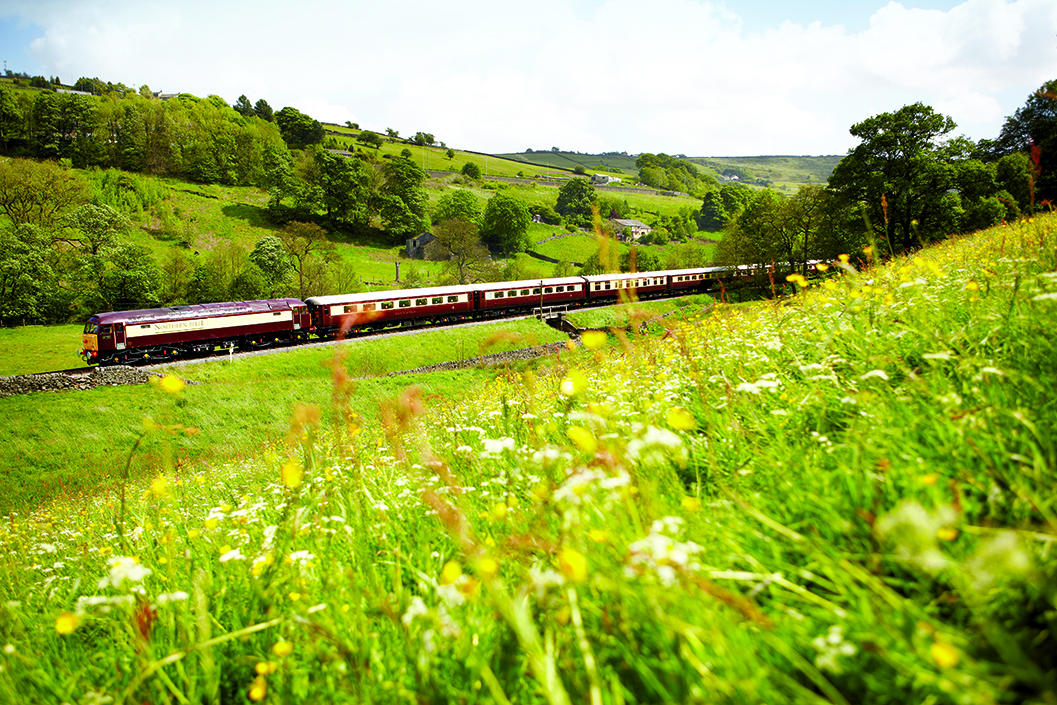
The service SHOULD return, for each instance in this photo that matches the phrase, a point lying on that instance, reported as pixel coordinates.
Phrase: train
(163, 334)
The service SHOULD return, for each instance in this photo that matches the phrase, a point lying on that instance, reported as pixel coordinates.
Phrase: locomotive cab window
(106, 329)
(91, 328)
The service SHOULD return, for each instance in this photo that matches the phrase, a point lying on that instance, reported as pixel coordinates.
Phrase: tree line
(907, 183)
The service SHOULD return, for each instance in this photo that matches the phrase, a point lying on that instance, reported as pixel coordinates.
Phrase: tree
(1032, 130)
(392, 134)
(343, 188)
(505, 224)
(471, 170)
(243, 106)
(720, 205)
(423, 138)
(458, 245)
(297, 129)
(264, 111)
(403, 203)
(636, 259)
(450, 154)
(460, 203)
(575, 198)
(307, 246)
(270, 256)
(24, 274)
(95, 227)
(902, 173)
(38, 193)
(371, 139)
(130, 278)
(11, 118)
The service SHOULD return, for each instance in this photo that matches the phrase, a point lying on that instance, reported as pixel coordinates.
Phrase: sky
(693, 77)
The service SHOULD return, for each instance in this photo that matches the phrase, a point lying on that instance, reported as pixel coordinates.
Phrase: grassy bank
(72, 443)
(845, 496)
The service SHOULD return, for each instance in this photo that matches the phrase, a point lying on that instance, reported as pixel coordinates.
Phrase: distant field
(787, 173)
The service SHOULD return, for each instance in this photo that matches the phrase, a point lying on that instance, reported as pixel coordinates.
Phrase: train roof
(170, 313)
(337, 299)
(527, 283)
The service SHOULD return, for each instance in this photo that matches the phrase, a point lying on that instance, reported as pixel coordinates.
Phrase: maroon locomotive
(165, 333)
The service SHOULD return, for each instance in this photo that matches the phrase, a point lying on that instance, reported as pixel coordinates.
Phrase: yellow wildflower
(66, 623)
(172, 384)
(680, 419)
(583, 439)
(292, 473)
(945, 655)
(573, 565)
(487, 566)
(282, 648)
(258, 689)
(450, 573)
(593, 339)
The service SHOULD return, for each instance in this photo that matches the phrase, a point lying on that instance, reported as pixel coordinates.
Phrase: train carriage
(163, 333)
(698, 278)
(608, 286)
(530, 293)
(379, 309)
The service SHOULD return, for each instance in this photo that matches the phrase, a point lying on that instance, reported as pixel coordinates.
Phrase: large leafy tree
(1032, 130)
(264, 111)
(271, 258)
(343, 187)
(403, 203)
(459, 246)
(299, 130)
(460, 203)
(39, 193)
(25, 273)
(309, 250)
(505, 224)
(902, 173)
(575, 198)
(243, 106)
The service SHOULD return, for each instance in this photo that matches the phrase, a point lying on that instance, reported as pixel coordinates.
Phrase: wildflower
(258, 689)
(493, 446)
(680, 419)
(211, 522)
(945, 655)
(282, 648)
(66, 623)
(880, 374)
(172, 384)
(573, 384)
(123, 568)
(231, 555)
(487, 566)
(797, 279)
(498, 512)
(583, 439)
(971, 285)
(417, 608)
(593, 339)
(821, 266)
(193, 533)
(691, 504)
(266, 668)
(292, 473)
(573, 565)
(597, 535)
(844, 258)
(160, 487)
(450, 573)
(947, 534)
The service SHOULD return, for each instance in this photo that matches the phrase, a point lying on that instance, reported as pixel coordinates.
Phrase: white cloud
(682, 76)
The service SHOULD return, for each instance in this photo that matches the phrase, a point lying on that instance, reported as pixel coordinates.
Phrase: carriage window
(550, 290)
(437, 300)
(524, 292)
(351, 308)
(511, 293)
(387, 304)
(498, 295)
(453, 299)
(598, 287)
(145, 325)
(607, 285)
(420, 302)
(535, 291)
(369, 307)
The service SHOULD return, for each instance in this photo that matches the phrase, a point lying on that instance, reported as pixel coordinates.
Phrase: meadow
(841, 495)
